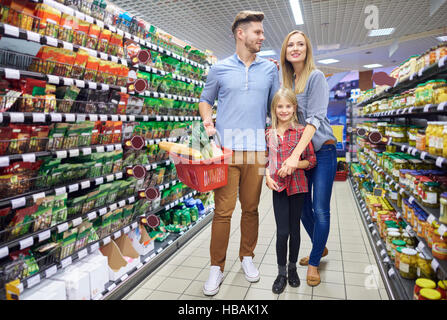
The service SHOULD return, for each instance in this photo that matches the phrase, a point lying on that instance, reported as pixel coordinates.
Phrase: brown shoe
(305, 261)
(313, 281)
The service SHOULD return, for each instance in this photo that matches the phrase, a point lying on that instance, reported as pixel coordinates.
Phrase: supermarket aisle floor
(348, 272)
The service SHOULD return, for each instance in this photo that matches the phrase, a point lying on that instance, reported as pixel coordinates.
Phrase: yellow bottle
(444, 133)
(429, 139)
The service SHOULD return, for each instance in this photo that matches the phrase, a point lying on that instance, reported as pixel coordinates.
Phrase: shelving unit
(397, 287)
(14, 67)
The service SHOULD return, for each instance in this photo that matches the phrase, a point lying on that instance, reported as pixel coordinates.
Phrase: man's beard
(252, 48)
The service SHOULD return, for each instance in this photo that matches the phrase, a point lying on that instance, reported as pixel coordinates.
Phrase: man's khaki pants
(245, 174)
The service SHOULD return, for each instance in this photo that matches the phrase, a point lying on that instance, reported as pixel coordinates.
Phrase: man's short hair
(245, 17)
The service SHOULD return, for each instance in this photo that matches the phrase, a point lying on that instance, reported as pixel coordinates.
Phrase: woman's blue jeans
(316, 207)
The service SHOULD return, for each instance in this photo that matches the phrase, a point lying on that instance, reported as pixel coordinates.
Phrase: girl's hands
(271, 184)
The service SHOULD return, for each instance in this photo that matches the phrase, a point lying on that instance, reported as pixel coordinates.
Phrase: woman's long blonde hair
(287, 68)
(289, 96)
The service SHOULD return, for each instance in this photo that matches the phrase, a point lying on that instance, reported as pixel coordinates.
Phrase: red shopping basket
(203, 175)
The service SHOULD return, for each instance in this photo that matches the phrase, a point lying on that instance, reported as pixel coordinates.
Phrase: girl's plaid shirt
(279, 150)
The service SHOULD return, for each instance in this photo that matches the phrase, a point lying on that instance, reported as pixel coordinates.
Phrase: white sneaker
(251, 273)
(215, 278)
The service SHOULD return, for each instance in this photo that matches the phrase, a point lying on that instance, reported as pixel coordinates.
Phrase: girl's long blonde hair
(290, 96)
(287, 68)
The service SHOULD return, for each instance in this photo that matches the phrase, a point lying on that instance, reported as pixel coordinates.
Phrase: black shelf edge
(427, 110)
(422, 154)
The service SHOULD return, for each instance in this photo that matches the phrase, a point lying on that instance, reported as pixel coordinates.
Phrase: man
(244, 85)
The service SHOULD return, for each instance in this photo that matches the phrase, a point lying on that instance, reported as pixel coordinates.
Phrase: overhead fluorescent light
(442, 38)
(328, 46)
(328, 61)
(267, 53)
(374, 65)
(296, 10)
(380, 32)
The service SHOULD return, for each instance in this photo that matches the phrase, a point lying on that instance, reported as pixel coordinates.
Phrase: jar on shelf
(410, 242)
(397, 256)
(416, 164)
(442, 288)
(420, 284)
(420, 140)
(399, 164)
(393, 192)
(429, 141)
(395, 244)
(408, 264)
(440, 92)
(431, 193)
(433, 55)
(390, 237)
(419, 94)
(429, 294)
(439, 249)
(439, 140)
(424, 269)
(444, 147)
(430, 233)
(412, 134)
(441, 51)
(443, 211)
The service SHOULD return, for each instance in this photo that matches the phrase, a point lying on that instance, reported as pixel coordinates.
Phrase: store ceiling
(206, 24)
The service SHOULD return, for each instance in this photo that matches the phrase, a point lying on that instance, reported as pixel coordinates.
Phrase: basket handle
(219, 140)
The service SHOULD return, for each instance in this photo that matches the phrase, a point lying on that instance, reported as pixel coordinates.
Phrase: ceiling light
(328, 46)
(380, 32)
(374, 65)
(267, 53)
(328, 61)
(296, 10)
(442, 38)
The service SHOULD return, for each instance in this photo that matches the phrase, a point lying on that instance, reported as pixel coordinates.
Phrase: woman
(300, 74)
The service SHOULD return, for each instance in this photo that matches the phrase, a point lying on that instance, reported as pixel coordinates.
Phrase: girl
(309, 84)
(288, 192)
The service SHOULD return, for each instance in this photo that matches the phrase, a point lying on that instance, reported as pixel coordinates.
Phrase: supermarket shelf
(149, 263)
(440, 266)
(435, 213)
(41, 235)
(11, 73)
(126, 35)
(91, 248)
(18, 33)
(50, 271)
(396, 287)
(15, 74)
(66, 153)
(427, 110)
(437, 69)
(40, 117)
(441, 162)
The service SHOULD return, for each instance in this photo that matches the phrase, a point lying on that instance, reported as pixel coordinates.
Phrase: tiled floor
(348, 272)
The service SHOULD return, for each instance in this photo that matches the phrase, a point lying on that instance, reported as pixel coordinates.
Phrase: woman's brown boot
(305, 261)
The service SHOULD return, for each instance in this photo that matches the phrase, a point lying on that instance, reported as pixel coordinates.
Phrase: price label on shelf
(91, 216)
(430, 219)
(100, 149)
(383, 253)
(441, 106)
(131, 199)
(117, 234)
(44, 235)
(60, 191)
(113, 206)
(76, 222)
(122, 203)
(33, 36)
(105, 87)
(53, 79)
(106, 240)
(110, 178)
(134, 225)
(423, 155)
(103, 117)
(31, 282)
(18, 203)
(126, 230)
(50, 272)
(29, 157)
(102, 211)
(111, 287)
(391, 272)
(421, 72)
(4, 252)
(378, 243)
(66, 262)
(435, 264)
(113, 29)
(92, 85)
(439, 161)
(86, 151)
(26, 243)
(442, 230)
(411, 200)
(85, 184)
(374, 232)
(17, 117)
(73, 188)
(94, 247)
(99, 181)
(62, 227)
(73, 153)
(83, 253)
(420, 246)
(427, 107)
(414, 151)
(441, 62)
(11, 30)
